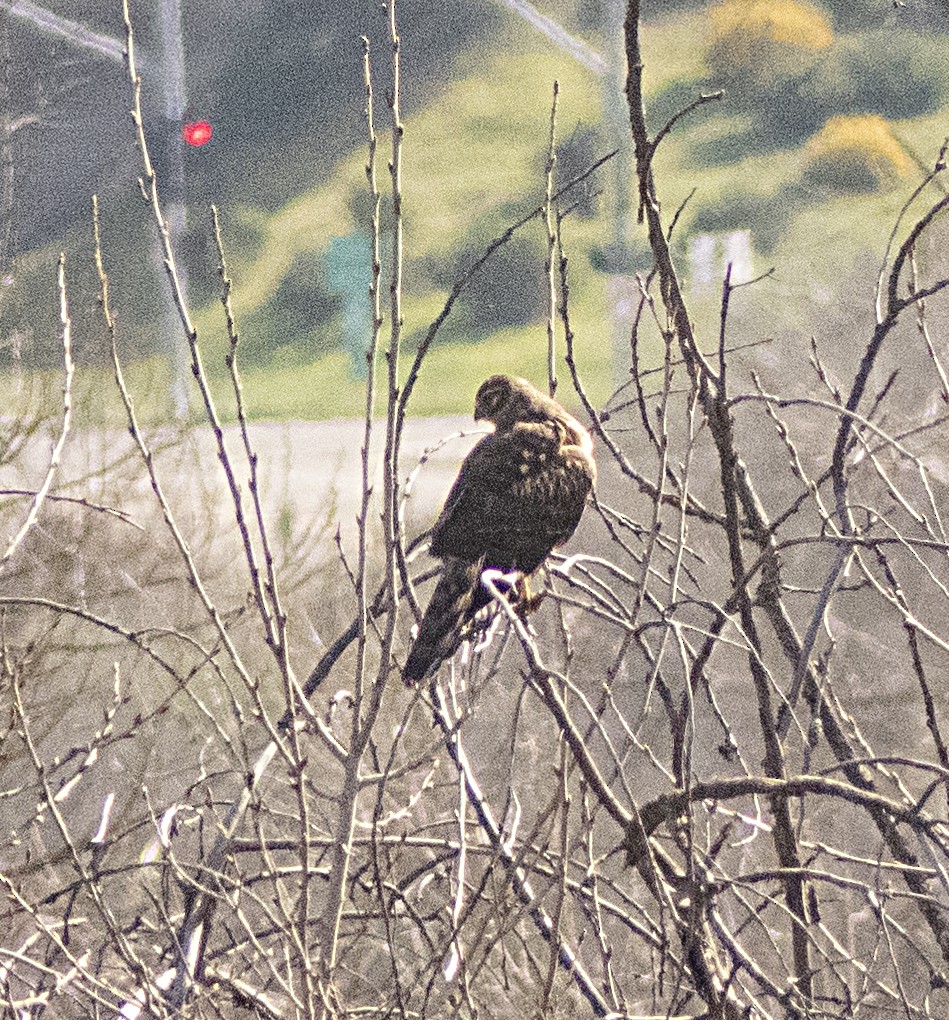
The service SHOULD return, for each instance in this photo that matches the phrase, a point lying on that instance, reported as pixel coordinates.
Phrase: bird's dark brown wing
(518, 494)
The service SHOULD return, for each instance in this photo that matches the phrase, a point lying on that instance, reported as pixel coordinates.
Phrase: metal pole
(577, 48)
(620, 282)
(171, 76)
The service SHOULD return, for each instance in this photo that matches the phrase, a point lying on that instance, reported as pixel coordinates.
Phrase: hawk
(520, 493)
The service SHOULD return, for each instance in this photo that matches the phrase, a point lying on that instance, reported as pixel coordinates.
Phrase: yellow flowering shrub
(763, 41)
(790, 22)
(855, 154)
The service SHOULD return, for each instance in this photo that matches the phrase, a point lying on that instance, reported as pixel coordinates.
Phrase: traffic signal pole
(172, 80)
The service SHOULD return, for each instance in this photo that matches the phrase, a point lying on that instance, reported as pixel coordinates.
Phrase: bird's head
(506, 399)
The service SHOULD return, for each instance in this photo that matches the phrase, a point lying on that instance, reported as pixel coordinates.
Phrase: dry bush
(708, 781)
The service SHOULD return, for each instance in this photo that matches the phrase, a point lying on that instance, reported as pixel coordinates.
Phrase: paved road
(311, 463)
(314, 467)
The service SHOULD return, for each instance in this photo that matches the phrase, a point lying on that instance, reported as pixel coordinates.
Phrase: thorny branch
(667, 792)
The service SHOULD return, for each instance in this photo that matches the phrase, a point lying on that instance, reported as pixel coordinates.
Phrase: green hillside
(478, 151)
(473, 163)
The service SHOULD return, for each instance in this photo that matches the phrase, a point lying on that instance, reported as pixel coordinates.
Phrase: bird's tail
(457, 597)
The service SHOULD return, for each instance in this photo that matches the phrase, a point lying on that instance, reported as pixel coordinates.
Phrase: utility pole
(172, 79)
(621, 288)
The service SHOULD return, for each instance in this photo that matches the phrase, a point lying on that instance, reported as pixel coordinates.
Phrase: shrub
(759, 44)
(896, 75)
(893, 74)
(574, 155)
(508, 290)
(704, 779)
(856, 155)
(766, 216)
(672, 97)
(296, 317)
(853, 15)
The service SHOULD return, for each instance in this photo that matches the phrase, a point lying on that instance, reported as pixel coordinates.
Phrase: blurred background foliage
(831, 113)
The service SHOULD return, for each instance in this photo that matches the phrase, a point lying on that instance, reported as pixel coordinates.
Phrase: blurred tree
(506, 291)
(296, 321)
(855, 15)
(576, 153)
(759, 45)
(855, 154)
(782, 65)
(766, 215)
(895, 73)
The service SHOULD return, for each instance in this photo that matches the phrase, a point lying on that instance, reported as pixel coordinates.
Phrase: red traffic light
(197, 133)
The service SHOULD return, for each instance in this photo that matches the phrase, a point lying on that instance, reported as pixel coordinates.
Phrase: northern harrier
(520, 492)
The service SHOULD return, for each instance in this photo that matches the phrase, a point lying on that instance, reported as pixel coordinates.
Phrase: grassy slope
(478, 146)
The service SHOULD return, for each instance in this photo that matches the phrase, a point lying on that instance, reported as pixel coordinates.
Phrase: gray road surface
(313, 467)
